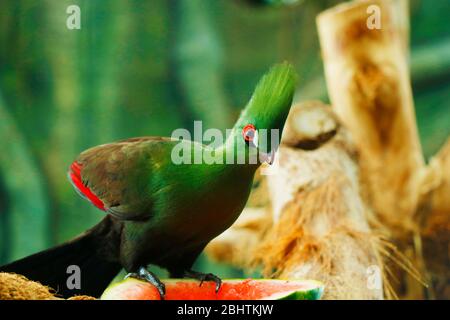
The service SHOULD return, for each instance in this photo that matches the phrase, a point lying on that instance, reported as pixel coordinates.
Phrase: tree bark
(369, 86)
(434, 216)
(368, 81)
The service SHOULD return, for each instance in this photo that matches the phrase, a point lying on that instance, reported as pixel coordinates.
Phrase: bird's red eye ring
(248, 132)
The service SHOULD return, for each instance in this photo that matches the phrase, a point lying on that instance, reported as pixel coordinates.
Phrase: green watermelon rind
(313, 291)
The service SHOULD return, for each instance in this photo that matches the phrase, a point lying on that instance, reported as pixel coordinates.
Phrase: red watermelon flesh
(178, 289)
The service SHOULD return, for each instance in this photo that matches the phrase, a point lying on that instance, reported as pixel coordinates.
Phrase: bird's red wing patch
(75, 177)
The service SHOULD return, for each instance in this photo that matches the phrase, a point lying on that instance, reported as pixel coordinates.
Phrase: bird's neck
(234, 152)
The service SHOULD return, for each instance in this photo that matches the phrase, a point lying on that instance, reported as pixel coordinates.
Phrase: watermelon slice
(178, 289)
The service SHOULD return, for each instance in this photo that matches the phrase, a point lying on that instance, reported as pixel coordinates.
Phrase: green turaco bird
(160, 211)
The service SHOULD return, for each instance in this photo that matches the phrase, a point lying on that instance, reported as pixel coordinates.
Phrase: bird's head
(259, 128)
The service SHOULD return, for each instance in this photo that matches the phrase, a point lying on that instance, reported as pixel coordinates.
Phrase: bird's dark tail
(84, 265)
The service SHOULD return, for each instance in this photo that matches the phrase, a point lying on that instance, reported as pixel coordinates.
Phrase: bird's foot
(203, 277)
(144, 274)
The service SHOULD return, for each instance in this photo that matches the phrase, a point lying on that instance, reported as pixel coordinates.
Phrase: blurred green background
(147, 67)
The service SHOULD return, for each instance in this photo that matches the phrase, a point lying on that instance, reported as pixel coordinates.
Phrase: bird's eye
(249, 133)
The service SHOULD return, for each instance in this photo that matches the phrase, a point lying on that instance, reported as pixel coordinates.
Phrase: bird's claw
(204, 277)
(148, 276)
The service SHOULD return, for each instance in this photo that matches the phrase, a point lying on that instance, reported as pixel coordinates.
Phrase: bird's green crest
(272, 98)
(270, 103)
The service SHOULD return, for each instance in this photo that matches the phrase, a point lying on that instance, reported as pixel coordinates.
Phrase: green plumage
(164, 213)
(181, 207)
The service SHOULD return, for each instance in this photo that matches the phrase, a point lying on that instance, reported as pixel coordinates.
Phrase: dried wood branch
(368, 82)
